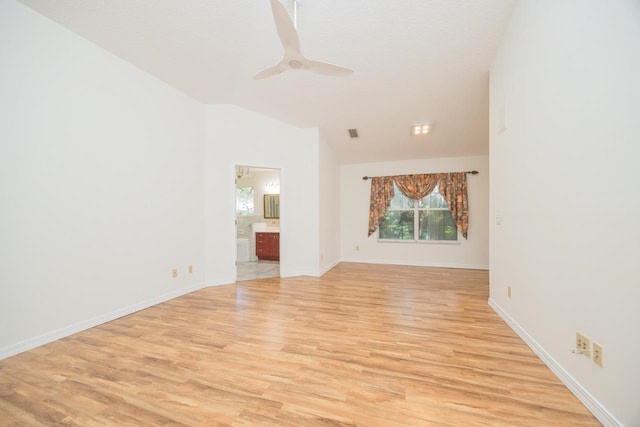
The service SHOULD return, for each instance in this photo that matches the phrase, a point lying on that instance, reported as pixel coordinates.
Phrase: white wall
(354, 208)
(235, 136)
(563, 180)
(101, 184)
(329, 207)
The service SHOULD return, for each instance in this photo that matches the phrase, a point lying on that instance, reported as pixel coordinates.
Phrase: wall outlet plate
(597, 354)
(583, 344)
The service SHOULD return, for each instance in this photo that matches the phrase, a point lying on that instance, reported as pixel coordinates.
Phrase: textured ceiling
(414, 60)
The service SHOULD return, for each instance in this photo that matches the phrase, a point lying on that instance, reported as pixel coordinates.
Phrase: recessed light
(421, 128)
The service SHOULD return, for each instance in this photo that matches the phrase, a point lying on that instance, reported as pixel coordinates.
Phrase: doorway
(257, 222)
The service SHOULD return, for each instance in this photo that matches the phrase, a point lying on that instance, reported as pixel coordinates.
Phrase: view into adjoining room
(257, 222)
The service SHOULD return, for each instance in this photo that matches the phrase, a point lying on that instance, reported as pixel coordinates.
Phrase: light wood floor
(365, 345)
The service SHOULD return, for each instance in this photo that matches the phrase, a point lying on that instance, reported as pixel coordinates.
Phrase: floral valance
(453, 187)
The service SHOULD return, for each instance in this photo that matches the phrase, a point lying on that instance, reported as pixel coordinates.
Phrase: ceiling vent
(353, 133)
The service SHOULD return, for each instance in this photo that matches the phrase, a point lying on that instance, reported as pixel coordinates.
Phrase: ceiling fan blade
(271, 71)
(293, 58)
(286, 30)
(327, 69)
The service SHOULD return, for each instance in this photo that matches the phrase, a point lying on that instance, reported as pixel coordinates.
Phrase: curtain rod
(369, 177)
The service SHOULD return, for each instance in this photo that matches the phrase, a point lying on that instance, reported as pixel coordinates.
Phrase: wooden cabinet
(268, 246)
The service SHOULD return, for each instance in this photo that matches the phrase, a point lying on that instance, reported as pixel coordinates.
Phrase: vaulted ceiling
(414, 61)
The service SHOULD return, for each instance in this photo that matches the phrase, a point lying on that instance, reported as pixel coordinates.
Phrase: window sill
(422, 242)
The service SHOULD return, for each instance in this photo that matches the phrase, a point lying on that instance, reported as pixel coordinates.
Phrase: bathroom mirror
(272, 206)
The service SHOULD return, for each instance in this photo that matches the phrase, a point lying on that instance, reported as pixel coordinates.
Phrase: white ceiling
(414, 60)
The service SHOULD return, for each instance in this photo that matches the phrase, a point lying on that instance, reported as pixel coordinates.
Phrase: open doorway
(257, 222)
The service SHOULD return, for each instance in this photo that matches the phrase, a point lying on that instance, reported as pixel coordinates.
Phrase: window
(427, 219)
(244, 201)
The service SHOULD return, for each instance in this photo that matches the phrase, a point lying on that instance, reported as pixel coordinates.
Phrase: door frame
(252, 165)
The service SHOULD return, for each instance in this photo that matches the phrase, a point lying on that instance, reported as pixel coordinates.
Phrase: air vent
(353, 133)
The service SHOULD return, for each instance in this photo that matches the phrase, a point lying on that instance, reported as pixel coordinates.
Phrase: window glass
(398, 225)
(427, 220)
(244, 201)
(437, 225)
(433, 200)
(400, 201)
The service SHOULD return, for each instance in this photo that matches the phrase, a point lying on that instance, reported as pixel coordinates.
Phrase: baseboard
(417, 263)
(31, 343)
(324, 270)
(221, 282)
(318, 273)
(593, 405)
(301, 273)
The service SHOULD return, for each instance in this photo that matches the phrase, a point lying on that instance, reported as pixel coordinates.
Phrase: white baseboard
(221, 282)
(329, 267)
(301, 273)
(66, 331)
(596, 408)
(317, 273)
(417, 263)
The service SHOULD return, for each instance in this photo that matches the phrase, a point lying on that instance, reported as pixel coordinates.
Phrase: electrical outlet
(190, 268)
(357, 248)
(174, 273)
(597, 354)
(509, 291)
(583, 344)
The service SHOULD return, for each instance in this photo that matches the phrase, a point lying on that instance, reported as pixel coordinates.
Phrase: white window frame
(416, 224)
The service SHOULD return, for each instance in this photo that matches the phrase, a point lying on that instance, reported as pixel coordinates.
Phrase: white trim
(301, 273)
(66, 331)
(221, 282)
(329, 267)
(592, 404)
(420, 242)
(417, 263)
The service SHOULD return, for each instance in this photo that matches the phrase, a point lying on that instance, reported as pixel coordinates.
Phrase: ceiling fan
(293, 59)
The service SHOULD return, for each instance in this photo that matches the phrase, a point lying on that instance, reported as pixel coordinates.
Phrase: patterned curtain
(453, 187)
(381, 195)
(416, 186)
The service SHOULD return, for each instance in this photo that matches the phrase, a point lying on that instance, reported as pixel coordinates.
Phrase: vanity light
(243, 171)
(272, 188)
(420, 128)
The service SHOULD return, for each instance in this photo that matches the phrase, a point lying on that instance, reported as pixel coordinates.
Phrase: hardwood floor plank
(364, 345)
